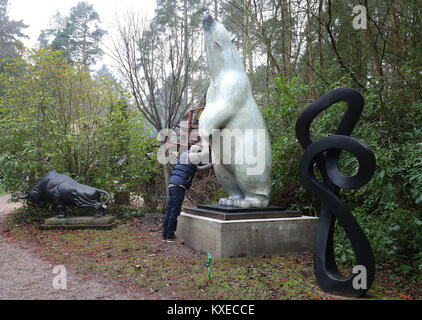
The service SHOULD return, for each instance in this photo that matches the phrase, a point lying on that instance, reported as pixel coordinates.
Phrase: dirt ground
(132, 262)
(23, 275)
(152, 223)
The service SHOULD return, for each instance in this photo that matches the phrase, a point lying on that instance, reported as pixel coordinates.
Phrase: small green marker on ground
(209, 266)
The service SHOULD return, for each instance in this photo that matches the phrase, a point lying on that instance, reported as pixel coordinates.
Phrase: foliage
(82, 122)
(281, 117)
(389, 207)
(123, 213)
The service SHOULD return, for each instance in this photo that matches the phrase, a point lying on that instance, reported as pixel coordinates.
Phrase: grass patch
(138, 257)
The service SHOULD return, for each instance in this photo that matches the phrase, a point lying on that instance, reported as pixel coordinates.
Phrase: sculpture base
(246, 237)
(232, 213)
(76, 223)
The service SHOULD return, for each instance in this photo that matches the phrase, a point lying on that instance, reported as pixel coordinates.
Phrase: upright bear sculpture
(61, 191)
(231, 108)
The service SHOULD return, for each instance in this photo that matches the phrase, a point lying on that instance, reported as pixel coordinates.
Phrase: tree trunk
(216, 9)
(249, 45)
(400, 46)
(310, 56)
(186, 47)
(321, 56)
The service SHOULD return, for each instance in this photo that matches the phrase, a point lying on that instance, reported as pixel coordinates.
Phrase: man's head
(195, 148)
(195, 154)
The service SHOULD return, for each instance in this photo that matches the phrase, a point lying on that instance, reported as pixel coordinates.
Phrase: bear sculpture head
(222, 54)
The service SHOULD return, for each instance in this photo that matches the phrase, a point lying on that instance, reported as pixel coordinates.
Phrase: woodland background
(99, 126)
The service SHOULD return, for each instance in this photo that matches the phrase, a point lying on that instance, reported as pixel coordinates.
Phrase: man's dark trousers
(176, 197)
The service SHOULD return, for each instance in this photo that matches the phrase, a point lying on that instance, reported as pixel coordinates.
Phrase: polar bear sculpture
(231, 109)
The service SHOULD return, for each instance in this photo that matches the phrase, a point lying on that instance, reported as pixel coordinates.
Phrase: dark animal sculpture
(61, 191)
(325, 154)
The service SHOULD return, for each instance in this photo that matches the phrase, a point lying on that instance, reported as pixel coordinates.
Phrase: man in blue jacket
(180, 182)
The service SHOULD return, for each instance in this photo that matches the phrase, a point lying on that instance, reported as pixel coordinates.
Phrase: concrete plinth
(250, 237)
(73, 223)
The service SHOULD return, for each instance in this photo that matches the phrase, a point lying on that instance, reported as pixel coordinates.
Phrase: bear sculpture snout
(207, 20)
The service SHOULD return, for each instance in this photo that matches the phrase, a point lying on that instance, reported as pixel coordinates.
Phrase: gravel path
(23, 275)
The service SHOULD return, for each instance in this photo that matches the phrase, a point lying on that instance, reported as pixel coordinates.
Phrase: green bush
(49, 107)
(281, 117)
(388, 208)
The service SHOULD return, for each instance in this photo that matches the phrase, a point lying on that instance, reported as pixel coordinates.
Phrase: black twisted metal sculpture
(325, 154)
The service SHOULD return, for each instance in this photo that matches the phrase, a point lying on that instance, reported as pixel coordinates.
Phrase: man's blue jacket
(183, 172)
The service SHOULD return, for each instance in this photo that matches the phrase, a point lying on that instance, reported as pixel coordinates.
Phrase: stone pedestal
(250, 237)
(74, 223)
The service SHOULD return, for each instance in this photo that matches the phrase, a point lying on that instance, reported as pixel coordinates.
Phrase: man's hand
(204, 167)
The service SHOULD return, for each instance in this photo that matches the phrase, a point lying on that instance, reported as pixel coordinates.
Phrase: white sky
(38, 15)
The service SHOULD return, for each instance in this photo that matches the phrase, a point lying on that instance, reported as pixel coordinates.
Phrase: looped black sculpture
(325, 153)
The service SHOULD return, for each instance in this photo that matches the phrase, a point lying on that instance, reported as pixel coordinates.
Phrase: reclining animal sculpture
(61, 190)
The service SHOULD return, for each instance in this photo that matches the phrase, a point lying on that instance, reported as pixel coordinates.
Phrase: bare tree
(155, 67)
